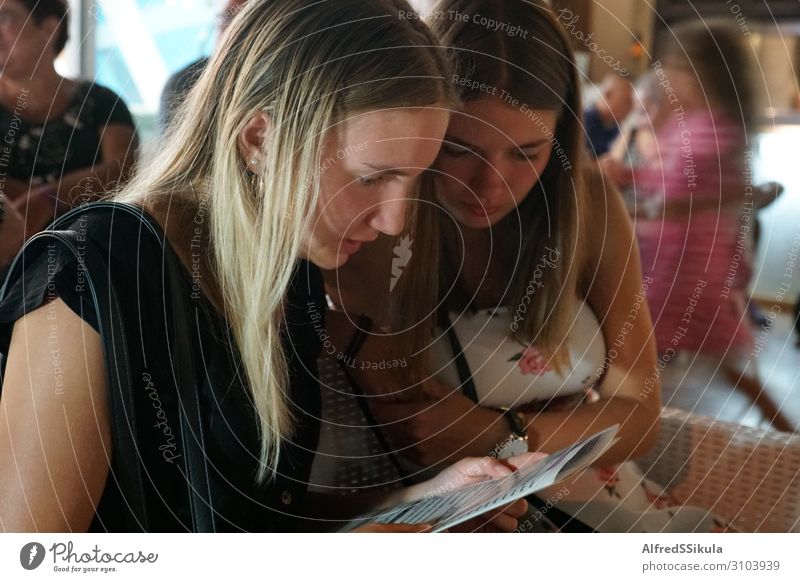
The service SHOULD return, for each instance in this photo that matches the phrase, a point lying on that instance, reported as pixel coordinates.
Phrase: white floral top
(506, 373)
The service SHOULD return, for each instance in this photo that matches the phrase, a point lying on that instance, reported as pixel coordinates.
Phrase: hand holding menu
(452, 508)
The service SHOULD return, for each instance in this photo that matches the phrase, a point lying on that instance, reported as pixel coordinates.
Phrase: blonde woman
(531, 320)
(298, 144)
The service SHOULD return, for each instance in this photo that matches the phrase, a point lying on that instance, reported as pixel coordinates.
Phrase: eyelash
(460, 153)
(370, 181)
(456, 152)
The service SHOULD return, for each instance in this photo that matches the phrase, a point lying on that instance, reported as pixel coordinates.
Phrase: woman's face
(368, 169)
(492, 155)
(23, 41)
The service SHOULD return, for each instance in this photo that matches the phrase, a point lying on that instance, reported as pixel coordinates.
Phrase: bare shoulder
(55, 433)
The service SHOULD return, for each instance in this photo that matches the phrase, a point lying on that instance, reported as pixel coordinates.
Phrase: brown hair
(715, 52)
(528, 55)
(41, 10)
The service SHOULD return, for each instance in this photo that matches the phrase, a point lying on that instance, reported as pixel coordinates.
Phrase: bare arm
(55, 434)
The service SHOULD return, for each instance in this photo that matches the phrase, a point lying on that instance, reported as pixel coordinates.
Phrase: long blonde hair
(308, 64)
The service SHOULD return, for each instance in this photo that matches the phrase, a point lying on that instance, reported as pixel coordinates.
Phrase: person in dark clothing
(181, 82)
(602, 120)
(64, 140)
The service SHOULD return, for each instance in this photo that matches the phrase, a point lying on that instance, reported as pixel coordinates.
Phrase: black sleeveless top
(135, 260)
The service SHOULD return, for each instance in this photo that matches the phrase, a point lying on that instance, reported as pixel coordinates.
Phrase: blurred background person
(696, 247)
(635, 147)
(180, 83)
(63, 139)
(603, 118)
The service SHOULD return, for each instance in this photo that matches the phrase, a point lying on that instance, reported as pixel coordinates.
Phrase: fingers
(517, 509)
(504, 522)
(483, 467)
(525, 460)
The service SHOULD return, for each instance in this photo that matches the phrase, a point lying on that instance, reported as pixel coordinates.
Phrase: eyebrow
(524, 146)
(393, 170)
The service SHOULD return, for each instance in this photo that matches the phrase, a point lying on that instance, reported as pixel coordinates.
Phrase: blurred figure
(602, 120)
(696, 248)
(636, 148)
(63, 139)
(180, 83)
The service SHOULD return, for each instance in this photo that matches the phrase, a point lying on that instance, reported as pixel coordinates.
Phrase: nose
(389, 216)
(488, 183)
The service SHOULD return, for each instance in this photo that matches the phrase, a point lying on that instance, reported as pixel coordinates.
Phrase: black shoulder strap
(464, 373)
(356, 342)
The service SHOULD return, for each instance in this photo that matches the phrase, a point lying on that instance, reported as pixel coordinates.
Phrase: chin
(329, 261)
(471, 221)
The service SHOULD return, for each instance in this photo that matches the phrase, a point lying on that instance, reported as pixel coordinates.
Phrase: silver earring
(253, 162)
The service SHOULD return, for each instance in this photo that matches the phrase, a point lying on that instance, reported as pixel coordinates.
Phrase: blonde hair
(538, 70)
(308, 65)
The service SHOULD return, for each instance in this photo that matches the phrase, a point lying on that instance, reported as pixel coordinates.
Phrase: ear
(254, 137)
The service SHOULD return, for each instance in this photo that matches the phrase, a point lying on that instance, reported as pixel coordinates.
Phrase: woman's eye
(370, 180)
(526, 157)
(456, 151)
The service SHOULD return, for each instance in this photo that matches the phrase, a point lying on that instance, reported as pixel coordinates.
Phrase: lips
(479, 211)
(352, 245)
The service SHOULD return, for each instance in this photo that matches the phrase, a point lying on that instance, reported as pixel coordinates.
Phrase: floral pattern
(531, 361)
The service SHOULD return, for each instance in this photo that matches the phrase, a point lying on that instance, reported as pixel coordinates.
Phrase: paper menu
(454, 507)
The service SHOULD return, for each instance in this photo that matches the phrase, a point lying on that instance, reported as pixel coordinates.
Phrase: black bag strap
(356, 342)
(121, 383)
(464, 373)
(195, 466)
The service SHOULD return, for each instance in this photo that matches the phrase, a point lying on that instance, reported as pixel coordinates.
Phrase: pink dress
(697, 266)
